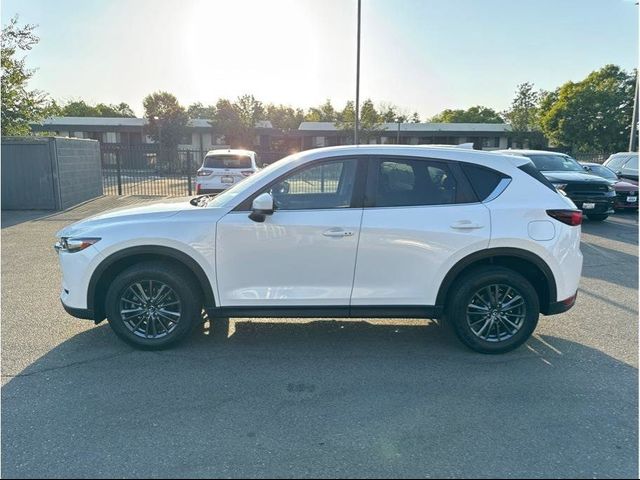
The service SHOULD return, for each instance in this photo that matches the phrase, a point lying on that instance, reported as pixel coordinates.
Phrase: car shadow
(338, 398)
(623, 227)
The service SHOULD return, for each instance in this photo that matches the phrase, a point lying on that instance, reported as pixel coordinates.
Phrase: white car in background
(222, 169)
(480, 239)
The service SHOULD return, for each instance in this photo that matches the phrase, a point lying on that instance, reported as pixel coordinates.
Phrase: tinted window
(615, 162)
(531, 170)
(633, 163)
(555, 163)
(483, 180)
(603, 172)
(414, 182)
(328, 185)
(227, 161)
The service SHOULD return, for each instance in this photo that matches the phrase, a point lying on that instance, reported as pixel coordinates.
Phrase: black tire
(462, 296)
(184, 290)
(597, 217)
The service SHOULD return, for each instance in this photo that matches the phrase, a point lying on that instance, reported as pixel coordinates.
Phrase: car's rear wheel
(153, 305)
(597, 217)
(493, 309)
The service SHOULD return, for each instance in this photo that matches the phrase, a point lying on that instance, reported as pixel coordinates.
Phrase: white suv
(222, 169)
(479, 239)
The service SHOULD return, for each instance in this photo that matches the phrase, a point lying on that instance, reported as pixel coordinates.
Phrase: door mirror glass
(261, 207)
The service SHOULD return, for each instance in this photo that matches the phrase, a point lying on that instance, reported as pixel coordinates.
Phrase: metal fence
(149, 170)
(591, 157)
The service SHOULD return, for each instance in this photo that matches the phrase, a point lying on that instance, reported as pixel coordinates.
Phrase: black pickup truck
(595, 196)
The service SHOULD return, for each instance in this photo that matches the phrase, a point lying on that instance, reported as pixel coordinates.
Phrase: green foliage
(523, 113)
(593, 115)
(166, 119)
(237, 120)
(370, 121)
(79, 108)
(198, 110)
(322, 113)
(476, 114)
(20, 106)
(415, 118)
(284, 117)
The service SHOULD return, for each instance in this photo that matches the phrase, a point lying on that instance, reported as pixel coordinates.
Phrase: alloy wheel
(496, 312)
(150, 309)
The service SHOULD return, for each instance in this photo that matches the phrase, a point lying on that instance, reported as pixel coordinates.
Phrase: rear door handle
(337, 233)
(466, 225)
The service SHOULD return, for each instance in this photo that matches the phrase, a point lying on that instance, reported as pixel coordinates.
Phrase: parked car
(626, 190)
(222, 169)
(593, 195)
(478, 238)
(625, 164)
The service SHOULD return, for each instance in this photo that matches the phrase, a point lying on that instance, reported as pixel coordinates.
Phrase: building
(202, 135)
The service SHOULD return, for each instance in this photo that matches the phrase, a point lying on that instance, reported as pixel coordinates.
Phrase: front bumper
(82, 313)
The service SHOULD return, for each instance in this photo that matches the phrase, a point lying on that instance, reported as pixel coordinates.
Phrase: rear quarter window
(483, 180)
(530, 169)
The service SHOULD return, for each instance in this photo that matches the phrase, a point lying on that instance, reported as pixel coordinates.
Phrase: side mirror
(261, 207)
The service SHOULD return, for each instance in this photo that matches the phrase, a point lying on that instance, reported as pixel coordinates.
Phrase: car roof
(231, 151)
(530, 152)
(448, 152)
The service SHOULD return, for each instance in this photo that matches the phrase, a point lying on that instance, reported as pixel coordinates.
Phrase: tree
(198, 110)
(284, 117)
(79, 108)
(20, 106)
(370, 121)
(593, 115)
(415, 118)
(237, 120)
(522, 115)
(476, 114)
(322, 113)
(167, 120)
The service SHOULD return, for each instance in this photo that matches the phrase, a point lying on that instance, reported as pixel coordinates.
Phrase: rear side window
(531, 170)
(227, 161)
(483, 180)
(409, 182)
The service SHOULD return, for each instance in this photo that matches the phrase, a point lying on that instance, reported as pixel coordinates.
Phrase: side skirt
(373, 311)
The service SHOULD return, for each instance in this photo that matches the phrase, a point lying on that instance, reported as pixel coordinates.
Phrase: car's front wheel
(493, 309)
(597, 217)
(153, 305)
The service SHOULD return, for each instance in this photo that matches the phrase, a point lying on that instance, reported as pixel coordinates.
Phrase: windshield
(227, 161)
(603, 172)
(550, 162)
(225, 197)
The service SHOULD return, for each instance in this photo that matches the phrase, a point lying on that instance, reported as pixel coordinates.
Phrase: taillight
(197, 189)
(568, 217)
(203, 173)
(246, 173)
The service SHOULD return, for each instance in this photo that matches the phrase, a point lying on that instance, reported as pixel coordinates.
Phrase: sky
(422, 55)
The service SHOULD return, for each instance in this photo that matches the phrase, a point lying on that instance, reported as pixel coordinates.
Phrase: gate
(146, 169)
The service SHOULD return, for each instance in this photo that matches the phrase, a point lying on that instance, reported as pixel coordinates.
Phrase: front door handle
(337, 233)
(466, 225)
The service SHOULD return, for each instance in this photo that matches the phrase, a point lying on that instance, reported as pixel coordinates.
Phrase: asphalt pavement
(320, 399)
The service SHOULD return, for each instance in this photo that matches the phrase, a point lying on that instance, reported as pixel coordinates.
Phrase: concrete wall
(49, 173)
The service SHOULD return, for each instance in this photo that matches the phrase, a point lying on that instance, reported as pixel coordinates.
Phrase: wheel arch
(526, 263)
(115, 263)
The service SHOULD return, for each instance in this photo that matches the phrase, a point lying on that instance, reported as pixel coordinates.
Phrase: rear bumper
(83, 313)
(204, 191)
(560, 307)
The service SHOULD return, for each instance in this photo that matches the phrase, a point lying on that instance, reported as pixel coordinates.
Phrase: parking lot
(331, 398)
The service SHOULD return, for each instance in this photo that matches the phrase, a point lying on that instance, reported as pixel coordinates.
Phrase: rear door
(420, 216)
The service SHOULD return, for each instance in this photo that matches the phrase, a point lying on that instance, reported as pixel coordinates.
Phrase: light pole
(357, 122)
(634, 119)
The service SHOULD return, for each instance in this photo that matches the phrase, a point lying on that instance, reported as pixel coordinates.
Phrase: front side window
(325, 185)
(414, 182)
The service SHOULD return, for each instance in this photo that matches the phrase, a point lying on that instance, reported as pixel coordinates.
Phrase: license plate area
(588, 206)
(632, 199)
(226, 179)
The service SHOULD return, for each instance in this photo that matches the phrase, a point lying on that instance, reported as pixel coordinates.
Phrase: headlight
(610, 188)
(559, 186)
(72, 245)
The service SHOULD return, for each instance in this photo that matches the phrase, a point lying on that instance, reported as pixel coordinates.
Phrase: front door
(302, 255)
